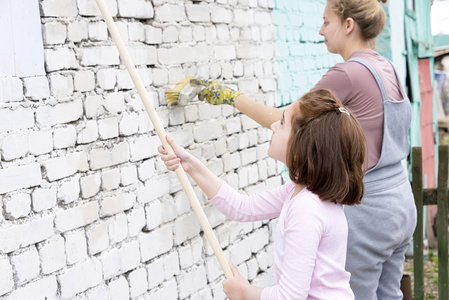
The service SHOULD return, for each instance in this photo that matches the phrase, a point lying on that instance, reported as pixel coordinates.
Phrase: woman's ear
(349, 24)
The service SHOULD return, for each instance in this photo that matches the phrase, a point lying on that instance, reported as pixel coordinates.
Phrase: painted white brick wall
(89, 210)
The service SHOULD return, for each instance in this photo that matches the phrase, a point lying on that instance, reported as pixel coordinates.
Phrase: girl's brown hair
(368, 14)
(326, 149)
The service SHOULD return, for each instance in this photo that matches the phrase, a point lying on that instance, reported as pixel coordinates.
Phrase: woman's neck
(357, 46)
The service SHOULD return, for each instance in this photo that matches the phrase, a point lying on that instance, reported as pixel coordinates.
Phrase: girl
(323, 147)
(380, 229)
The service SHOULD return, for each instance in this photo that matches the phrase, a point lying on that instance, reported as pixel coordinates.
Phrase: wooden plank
(442, 223)
(418, 256)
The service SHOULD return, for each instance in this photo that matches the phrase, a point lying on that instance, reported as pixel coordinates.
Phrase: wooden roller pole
(161, 133)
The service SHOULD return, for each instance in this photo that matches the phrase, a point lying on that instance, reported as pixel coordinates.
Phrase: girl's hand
(238, 288)
(181, 156)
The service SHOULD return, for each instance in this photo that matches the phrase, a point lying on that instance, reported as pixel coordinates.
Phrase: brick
(155, 271)
(170, 34)
(59, 59)
(198, 13)
(90, 185)
(80, 277)
(128, 175)
(117, 204)
(44, 199)
(153, 189)
(128, 124)
(221, 14)
(61, 86)
(89, 8)
(144, 147)
(136, 32)
(138, 283)
(100, 292)
(37, 87)
(102, 158)
(136, 221)
(119, 261)
(160, 76)
(75, 246)
(139, 9)
(78, 216)
(6, 276)
(153, 212)
(84, 81)
(153, 35)
(52, 254)
(11, 89)
(87, 132)
(64, 137)
(17, 206)
(119, 289)
(114, 103)
(207, 131)
(186, 227)
(69, 191)
(65, 166)
(77, 30)
(170, 13)
(118, 229)
(20, 118)
(168, 291)
(54, 33)
(25, 265)
(110, 179)
(224, 52)
(143, 55)
(14, 146)
(43, 288)
(124, 81)
(97, 31)
(66, 112)
(190, 255)
(199, 33)
(108, 128)
(59, 8)
(156, 243)
(99, 56)
(185, 34)
(97, 237)
(15, 178)
(106, 78)
(192, 281)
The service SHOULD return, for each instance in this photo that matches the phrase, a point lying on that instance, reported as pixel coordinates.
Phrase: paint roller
(188, 92)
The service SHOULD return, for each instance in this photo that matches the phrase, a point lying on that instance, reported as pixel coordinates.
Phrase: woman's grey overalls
(380, 229)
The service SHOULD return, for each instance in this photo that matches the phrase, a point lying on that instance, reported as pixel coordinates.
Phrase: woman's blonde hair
(368, 14)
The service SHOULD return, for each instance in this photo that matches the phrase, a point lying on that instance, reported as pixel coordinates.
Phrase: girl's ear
(349, 24)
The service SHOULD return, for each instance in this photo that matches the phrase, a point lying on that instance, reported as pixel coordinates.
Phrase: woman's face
(332, 30)
(281, 134)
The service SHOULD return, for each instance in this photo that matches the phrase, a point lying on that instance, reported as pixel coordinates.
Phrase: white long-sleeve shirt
(310, 240)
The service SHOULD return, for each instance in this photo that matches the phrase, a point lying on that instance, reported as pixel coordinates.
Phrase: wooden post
(161, 133)
(418, 256)
(442, 223)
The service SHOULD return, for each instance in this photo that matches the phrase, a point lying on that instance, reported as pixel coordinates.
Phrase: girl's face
(281, 133)
(332, 30)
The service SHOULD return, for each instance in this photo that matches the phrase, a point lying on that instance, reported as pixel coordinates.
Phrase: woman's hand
(181, 156)
(238, 288)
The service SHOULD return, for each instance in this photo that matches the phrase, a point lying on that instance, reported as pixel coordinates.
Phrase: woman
(381, 228)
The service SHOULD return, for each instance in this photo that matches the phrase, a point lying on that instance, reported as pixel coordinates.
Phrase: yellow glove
(215, 92)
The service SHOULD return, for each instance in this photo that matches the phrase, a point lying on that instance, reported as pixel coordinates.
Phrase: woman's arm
(262, 114)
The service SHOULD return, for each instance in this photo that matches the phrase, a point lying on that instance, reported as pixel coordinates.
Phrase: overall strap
(376, 75)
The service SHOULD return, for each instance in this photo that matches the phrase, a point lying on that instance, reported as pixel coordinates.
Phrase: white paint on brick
(198, 13)
(69, 191)
(97, 31)
(97, 237)
(61, 86)
(101, 158)
(90, 8)
(60, 58)
(11, 89)
(43, 288)
(20, 118)
(108, 128)
(43, 199)
(75, 246)
(6, 275)
(77, 30)
(155, 243)
(139, 9)
(136, 32)
(102, 56)
(90, 185)
(119, 289)
(52, 254)
(220, 14)
(54, 33)
(170, 34)
(62, 113)
(136, 220)
(17, 206)
(118, 229)
(59, 8)
(26, 265)
(106, 78)
(36, 87)
(192, 281)
(153, 35)
(80, 277)
(64, 137)
(170, 13)
(78, 216)
(138, 282)
(100, 292)
(168, 291)
(116, 204)
(110, 179)
(20, 177)
(14, 146)
(84, 81)
(128, 175)
(64, 166)
(87, 132)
